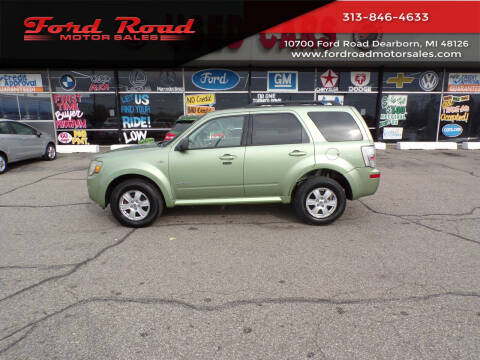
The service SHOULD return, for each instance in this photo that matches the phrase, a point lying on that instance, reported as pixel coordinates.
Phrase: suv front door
(212, 166)
(278, 148)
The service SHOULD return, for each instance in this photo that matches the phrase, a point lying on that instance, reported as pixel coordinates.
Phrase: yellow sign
(199, 110)
(200, 99)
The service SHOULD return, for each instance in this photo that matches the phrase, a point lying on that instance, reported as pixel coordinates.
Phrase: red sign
(41, 28)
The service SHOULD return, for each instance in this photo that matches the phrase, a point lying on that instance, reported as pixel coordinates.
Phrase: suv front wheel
(320, 201)
(136, 203)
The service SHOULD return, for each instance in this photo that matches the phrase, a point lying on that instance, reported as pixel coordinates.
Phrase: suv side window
(219, 132)
(5, 128)
(22, 129)
(275, 129)
(336, 125)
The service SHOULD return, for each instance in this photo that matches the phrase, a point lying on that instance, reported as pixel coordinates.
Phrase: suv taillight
(169, 136)
(369, 155)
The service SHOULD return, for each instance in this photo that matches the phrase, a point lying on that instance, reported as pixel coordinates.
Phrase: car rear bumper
(364, 181)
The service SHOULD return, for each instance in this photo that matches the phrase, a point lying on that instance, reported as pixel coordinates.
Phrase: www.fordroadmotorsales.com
(389, 54)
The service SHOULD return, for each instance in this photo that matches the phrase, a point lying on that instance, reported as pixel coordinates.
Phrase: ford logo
(452, 130)
(215, 79)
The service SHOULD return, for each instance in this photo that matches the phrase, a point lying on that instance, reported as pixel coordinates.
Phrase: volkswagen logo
(428, 80)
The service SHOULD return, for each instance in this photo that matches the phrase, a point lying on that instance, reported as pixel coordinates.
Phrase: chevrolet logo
(399, 80)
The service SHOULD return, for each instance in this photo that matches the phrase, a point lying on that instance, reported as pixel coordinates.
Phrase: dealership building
(402, 99)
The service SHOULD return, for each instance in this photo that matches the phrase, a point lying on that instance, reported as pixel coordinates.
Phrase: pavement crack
(76, 267)
(470, 212)
(237, 303)
(406, 218)
(36, 267)
(39, 180)
(27, 333)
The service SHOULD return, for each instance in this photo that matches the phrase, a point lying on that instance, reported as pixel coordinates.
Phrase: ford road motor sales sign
(43, 28)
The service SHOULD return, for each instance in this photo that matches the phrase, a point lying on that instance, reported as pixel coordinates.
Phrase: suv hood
(131, 150)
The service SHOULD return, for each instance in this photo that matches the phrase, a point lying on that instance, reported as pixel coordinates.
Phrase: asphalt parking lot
(397, 277)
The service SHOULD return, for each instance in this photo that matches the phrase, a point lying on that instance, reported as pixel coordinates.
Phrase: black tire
(307, 187)
(50, 152)
(149, 191)
(3, 164)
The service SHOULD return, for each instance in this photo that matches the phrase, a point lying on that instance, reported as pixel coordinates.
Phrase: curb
(426, 145)
(471, 145)
(69, 149)
(119, 146)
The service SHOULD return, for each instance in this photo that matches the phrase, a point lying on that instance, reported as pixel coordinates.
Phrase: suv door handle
(227, 157)
(297, 153)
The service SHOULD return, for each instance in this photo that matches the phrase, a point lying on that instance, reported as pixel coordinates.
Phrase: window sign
(200, 104)
(215, 79)
(135, 113)
(394, 109)
(463, 82)
(282, 81)
(335, 98)
(454, 116)
(21, 83)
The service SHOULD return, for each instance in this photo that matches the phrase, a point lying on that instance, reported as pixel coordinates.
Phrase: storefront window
(9, 107)
(409, 105)
(35, 107)
(77, 114)
(459, 120)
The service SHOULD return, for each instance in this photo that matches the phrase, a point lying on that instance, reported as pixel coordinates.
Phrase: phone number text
(386, 17)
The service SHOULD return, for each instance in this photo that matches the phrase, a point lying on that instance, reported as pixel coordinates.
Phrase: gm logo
(282, 81)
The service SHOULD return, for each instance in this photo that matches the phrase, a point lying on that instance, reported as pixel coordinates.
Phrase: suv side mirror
(38, 133)
(183, 145)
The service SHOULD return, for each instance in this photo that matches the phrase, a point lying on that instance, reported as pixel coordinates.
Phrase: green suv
(314, 156)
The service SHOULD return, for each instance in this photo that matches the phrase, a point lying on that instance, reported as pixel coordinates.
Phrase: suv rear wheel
(136, 203)
(320, 201)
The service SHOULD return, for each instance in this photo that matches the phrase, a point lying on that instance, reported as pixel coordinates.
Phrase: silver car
(19, 141)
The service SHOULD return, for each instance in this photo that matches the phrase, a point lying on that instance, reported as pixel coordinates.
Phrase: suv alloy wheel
(136, 203)
(320, 201)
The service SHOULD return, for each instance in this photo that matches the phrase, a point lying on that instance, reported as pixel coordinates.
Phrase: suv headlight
(95, 167)
(369, 155)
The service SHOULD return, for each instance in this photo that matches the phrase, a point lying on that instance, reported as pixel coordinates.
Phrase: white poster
(392, 133)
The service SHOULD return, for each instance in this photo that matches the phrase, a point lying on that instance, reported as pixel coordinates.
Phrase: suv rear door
(343, 135)
(212, 167)
(278, 150)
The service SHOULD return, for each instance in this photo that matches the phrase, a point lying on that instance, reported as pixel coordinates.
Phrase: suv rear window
(274, 129)
(336, 125)
(181, 126)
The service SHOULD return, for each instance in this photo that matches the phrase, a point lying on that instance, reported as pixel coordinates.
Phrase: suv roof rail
(296, 102)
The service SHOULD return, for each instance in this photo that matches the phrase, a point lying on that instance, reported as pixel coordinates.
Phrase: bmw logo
(67, 82)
